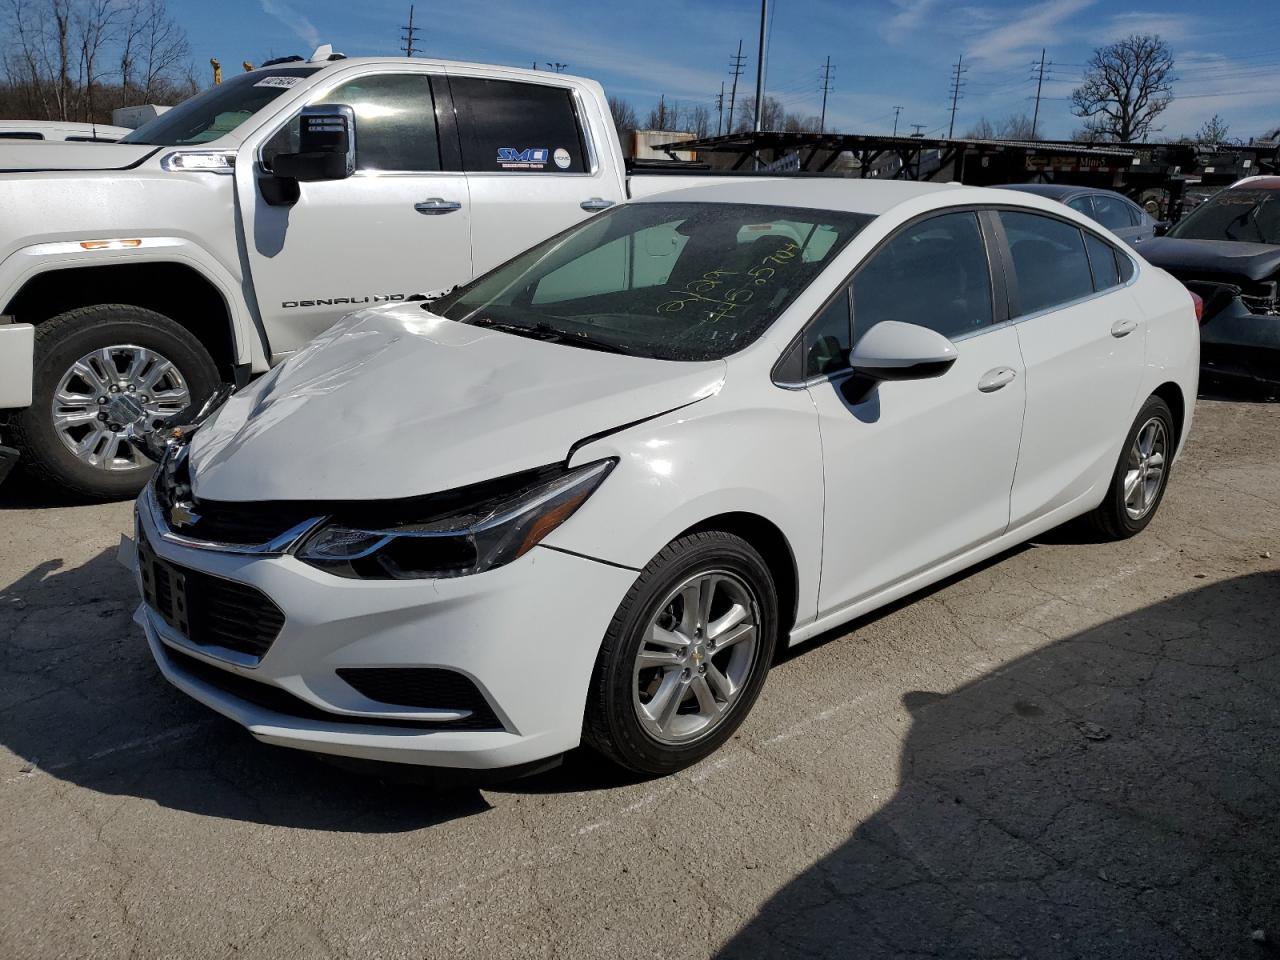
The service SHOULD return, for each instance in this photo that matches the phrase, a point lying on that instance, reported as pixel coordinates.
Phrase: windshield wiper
(544, 331)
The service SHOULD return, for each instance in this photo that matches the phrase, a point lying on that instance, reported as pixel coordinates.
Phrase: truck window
(509, 127)
(395, 123)
(20, 135)
(219, 110)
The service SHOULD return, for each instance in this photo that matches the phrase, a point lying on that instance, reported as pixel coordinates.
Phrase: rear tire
(1136, 487)
(113, 335)
(659, 705)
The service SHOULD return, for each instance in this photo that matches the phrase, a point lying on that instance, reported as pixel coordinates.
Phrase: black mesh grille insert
(277, 700)
(428, 688)
(209, 611)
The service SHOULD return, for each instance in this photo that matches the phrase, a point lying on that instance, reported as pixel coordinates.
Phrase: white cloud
(295, 21)
(1026, 32)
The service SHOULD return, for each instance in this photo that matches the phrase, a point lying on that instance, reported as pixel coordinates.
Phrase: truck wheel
(98, 369)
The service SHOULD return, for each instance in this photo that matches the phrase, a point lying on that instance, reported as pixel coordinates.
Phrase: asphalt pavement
(1071, 751)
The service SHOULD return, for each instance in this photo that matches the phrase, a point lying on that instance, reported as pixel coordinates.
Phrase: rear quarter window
(511, 127)
(1049, 261)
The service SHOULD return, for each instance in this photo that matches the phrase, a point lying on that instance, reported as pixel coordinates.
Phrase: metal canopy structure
(919, 158)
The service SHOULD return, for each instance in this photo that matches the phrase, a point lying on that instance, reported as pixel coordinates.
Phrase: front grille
(428, 688)
(278, 700)
(209, 611)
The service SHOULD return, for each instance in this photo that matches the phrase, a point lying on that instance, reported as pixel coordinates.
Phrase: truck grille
(209, 611)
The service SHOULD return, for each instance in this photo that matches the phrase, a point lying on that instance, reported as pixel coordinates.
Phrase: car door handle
(993, 380)
(435, 205)
(596, 203)
(1122, 328)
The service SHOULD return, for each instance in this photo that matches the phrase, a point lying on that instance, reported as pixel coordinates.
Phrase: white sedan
(588, 496)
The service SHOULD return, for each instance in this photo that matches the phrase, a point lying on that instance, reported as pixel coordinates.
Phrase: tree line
(77, 60)
(702, 121)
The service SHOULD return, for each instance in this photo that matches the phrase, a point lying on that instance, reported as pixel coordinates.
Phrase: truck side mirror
(326, 145)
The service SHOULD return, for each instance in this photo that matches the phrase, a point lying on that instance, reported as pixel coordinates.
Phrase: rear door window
(510, 127)
(1102, 260)
(1049, 261)
(1111, 212)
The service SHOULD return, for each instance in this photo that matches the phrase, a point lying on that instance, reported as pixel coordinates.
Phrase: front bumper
(526, 635)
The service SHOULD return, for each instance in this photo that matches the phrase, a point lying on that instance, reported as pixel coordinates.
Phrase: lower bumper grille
(281, 701)
(209, 611)
(430, 688)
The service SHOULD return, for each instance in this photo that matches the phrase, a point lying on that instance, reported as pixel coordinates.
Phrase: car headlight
(470, 538)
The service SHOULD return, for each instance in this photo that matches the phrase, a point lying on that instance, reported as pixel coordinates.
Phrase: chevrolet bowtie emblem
(181, 515)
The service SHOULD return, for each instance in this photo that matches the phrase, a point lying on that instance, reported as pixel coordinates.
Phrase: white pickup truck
(218, 238)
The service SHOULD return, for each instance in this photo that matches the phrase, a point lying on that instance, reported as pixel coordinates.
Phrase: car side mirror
(892, 350)
(326, 145)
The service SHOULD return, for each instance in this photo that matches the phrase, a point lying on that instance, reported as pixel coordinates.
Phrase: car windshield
(218, 110)
(1240, 214)
(672, 281)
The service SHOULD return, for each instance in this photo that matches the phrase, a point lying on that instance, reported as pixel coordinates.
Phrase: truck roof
(522, 72)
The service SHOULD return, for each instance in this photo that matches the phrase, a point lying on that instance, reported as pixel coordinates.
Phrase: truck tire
(97, 369)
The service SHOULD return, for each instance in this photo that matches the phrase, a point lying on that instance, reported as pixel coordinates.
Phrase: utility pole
(764, 22)
(738, 60)
(896, 111)
(409, 36)
(919, 130)
(720, 110)
(1035, 117)
(826, 88)
(956, 84)
(557, 67)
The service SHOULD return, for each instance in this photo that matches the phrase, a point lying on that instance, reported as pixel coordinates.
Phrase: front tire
(97, 369)
(1141, 476)
(685, 656)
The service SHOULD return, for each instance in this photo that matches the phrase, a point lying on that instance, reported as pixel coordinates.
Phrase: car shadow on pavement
(1110, 795)
(81, 700)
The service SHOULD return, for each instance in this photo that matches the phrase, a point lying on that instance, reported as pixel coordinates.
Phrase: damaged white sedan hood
(396, 402)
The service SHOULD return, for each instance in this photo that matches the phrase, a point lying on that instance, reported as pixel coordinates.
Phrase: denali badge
(181, 515)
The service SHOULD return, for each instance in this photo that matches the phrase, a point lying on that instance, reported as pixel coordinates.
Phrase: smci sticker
(530, 158)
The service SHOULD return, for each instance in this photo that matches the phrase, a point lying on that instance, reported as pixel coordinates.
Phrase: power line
(409, 36)
(957, 83)
(826, 88)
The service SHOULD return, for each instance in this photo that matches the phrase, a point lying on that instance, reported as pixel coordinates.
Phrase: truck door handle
(1122, 328)
(436, 205)
(993, 380)
(596, 203)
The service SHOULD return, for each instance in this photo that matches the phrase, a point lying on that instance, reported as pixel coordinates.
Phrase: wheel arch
(766, 537)
(1171, 394)
(177, 290)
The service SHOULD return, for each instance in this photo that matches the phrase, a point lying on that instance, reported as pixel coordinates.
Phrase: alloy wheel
(697, 654)
(107, 390)
(1145, 472)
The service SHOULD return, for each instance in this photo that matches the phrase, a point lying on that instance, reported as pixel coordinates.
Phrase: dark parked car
(1117, 213)
(1228, 252)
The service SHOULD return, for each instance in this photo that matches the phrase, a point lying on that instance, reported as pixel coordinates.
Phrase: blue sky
(896, 52)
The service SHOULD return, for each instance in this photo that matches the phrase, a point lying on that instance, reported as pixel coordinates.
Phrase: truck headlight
(467, 539)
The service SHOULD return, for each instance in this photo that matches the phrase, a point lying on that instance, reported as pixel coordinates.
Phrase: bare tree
(697, 120)
(624, 115)
(771, 115)
(1213, 130)
(984, 129)
(76, 59)
(1016, 126)
(1127, 85)
(664, 115)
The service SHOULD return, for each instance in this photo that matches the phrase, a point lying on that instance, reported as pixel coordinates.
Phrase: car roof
(1058, 191)
(1257, 183)
(819, 193)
